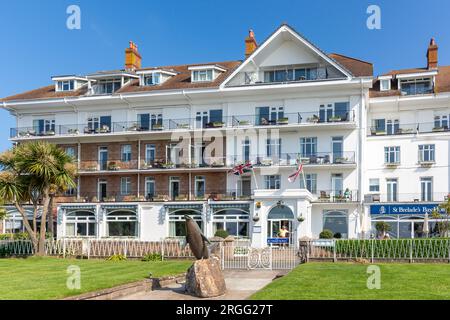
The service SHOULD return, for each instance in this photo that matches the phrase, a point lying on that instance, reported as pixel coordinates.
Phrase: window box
(157, 126)
(147, 166)
(244, 123)
(341, 160)
(392, 164)
(283, 121)
(217, 164)
(426, 163)
(109, 199)
(73, 131)
(92, 167)
(113, 166)
(182, 125)
(181, 198)
(216, 124)
(404, 131)
(439, 129)
(267, 162)
(335, 119)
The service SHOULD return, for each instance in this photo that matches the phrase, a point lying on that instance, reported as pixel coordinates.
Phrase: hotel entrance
(280, 231)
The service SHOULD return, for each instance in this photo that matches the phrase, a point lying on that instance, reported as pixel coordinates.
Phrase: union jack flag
(241, 168)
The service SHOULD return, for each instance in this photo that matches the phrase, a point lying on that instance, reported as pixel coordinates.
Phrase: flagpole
(254, 178)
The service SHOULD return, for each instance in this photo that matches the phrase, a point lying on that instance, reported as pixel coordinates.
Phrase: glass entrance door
(103, 158)
(280, 229)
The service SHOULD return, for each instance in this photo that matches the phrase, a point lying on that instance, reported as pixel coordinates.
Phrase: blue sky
(37, 45)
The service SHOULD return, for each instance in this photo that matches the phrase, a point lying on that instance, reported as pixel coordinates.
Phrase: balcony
(336, 196)
(218, 163)
(233, 122)
(158, 196)
(406, 197)
(409, 128)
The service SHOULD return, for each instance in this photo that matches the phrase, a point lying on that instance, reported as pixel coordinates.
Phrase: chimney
(132, 57)
(432, 55)
(250, 43)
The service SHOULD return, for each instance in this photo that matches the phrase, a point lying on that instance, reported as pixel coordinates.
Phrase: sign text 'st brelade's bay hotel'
(369, 148)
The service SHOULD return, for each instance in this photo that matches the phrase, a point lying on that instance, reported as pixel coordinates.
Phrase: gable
(285, 48)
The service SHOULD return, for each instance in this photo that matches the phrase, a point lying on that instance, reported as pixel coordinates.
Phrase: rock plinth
(205, 279)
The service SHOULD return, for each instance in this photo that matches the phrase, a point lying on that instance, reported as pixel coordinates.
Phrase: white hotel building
(371, 148)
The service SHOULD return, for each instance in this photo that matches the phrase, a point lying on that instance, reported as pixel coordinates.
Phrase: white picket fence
(267, 258)
(92, 248)
(412, 250)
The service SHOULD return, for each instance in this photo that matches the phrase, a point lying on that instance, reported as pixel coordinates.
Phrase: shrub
(221, 233)
(117, 257)
(6, 236)
(326, 234)
(152, 257)
(21, 236)
(338, 235)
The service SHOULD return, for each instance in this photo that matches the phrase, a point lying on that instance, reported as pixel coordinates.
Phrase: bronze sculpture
(196, 239)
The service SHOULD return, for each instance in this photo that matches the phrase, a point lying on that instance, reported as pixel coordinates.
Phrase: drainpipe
(362, 131)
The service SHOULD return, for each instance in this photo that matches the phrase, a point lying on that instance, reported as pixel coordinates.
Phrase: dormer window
(154, 77)
(205, 73)
(68, 83)
(202, 75)
(416, 86)
(65, 85)
(416, 83)
(107, 86)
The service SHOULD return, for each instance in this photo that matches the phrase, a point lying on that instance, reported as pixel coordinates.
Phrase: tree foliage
(33, 173)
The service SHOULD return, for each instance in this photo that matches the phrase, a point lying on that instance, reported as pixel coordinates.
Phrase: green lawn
(45, 278)
(346, 281)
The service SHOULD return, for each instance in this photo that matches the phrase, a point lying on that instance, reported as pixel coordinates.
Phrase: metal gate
(268, 258)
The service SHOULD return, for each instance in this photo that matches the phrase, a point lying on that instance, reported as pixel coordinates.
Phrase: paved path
(240, 285)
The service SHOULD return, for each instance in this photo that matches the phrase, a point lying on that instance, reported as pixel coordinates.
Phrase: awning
(119, 206)
(79, 207)
(221, 206)
(177, 206)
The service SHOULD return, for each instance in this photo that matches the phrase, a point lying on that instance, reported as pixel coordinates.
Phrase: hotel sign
(403, 208)
(278, 241)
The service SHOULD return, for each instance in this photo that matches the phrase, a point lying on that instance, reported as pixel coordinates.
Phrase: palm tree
(32, 173)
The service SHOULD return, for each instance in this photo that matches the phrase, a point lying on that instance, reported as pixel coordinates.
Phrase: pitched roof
(357, 67)
(442, 81)
(182, 80)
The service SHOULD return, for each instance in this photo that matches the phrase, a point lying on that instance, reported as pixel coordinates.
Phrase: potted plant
(94, 199)
(110, 199)
(113, 166)
(340, 160)
(255, 218)
(283, 121)
(169, 165)
(313, 119)
(244, 122)
(438, 129)
(92, 167)
(258, 204)
(300, 219)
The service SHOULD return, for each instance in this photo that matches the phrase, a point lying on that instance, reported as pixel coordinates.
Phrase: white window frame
(125, 186)
(272, 182)
(385, 84)
(426, 189)
(125, 152)
(199, 179)
(389, 151)
(374, 183)
(428, 150)
(150, 180)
